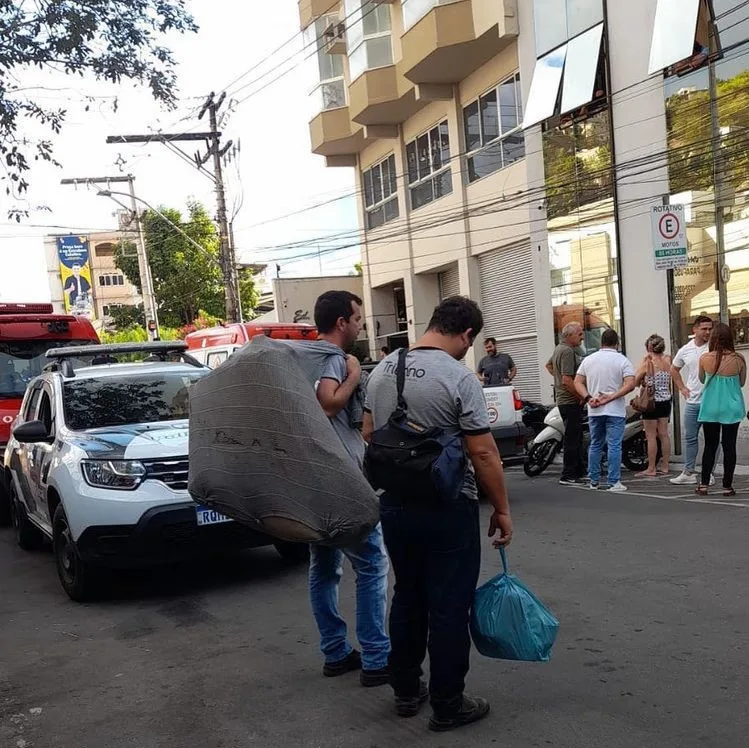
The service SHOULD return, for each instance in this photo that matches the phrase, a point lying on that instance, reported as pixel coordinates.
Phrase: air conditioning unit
(334, 38)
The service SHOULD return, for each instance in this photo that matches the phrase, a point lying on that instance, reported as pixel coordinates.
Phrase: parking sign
(669, 237)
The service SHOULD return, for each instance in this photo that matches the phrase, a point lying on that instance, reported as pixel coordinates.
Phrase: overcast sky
(279, 174)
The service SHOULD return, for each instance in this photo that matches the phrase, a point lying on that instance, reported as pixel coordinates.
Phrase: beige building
(424, 99)
(109, 286)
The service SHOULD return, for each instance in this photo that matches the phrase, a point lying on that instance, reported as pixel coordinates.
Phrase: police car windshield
(22, 360)
(129, 399)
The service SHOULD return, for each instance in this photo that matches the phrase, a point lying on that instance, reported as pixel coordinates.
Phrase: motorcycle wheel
(539, 457)
(635, 453)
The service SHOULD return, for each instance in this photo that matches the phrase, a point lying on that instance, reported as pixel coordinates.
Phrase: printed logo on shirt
(411, 371)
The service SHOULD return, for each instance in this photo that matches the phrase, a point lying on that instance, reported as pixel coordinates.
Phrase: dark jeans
(572, 415)
(712, 433)
(435, 552)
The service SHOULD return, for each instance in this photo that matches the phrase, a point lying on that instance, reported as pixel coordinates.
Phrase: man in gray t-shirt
(496, 368)
(434, 545)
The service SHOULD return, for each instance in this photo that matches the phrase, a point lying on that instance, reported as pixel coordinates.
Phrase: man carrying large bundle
(339, 320)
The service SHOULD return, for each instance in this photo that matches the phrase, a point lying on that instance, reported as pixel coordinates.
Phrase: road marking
(688, 498)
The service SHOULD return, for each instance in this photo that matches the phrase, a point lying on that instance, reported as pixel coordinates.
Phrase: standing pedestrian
(723, 373)
(686, 375)
(655, 372)
(384, 352)
(434, 543)
(611, 377)
(338, 318)
(563, 366)
(496, 368)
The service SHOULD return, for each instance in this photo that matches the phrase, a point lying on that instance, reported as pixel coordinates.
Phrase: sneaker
(712, 480)
(618, 488)
(685, 479)
(374, 678)
(410, 706)
(352, 661)
(471, 710)
(572, 482)
(594, 485)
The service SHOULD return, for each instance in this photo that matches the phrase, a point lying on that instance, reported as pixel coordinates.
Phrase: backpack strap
(400, 379)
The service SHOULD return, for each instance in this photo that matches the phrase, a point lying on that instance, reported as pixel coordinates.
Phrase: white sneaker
(712, 480)
(618, 488)
(685, 479)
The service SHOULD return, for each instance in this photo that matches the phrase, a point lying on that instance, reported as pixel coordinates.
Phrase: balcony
(453, 39)
(382, 96)
(309, 10)
(332, 133)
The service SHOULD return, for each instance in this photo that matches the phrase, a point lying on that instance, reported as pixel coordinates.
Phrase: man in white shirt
(686, 375)
(611, 377)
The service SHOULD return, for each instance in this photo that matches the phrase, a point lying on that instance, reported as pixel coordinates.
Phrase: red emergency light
(26, 309)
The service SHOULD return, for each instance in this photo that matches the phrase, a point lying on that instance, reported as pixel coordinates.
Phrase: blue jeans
(370, 563)
(691, 435)
(436, 553)
(606, 430)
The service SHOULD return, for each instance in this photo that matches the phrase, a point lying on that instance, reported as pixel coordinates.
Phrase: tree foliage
(187, 281)
(110, 40)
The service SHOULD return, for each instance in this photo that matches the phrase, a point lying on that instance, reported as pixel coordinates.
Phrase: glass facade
(708, 156)
(429, 174)
(327, 84)
(368, 36)
(380, 193)
(557, 21)
(581, 227)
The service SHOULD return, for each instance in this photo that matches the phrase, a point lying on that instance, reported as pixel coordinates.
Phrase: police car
(97, 463)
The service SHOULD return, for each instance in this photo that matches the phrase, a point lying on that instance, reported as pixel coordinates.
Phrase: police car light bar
(114, 349)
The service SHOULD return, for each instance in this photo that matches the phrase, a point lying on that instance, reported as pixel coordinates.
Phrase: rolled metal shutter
(449, 282)
(507, 300)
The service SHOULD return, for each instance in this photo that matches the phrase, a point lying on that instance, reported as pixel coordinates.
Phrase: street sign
(669, 237)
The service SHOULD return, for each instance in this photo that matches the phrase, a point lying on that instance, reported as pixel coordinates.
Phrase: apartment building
(514, 151)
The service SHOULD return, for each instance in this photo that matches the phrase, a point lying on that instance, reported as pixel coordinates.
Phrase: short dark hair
(384, 349)
(701, 320)
(610, 338)
(456, 315)
(331, 306)
(490, 340)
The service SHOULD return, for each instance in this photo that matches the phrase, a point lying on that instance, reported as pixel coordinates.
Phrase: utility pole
(150, 307)
(228, 263)
(216, 152)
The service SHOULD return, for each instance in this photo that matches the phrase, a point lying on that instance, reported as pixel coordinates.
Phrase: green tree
(126, 315)
(111, 40)
(186, 279)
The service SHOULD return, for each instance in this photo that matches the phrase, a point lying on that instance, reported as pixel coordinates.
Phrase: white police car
(97, 462)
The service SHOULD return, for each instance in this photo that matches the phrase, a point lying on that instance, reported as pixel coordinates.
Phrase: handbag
(644, 401)
(411, 460)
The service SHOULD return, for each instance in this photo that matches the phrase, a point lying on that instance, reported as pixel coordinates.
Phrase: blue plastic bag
(508, 622)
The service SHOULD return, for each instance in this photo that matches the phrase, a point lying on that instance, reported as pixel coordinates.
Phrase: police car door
(41, 460)
(20, 461)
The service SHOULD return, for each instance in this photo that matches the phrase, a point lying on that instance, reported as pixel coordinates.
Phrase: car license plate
(208, 516)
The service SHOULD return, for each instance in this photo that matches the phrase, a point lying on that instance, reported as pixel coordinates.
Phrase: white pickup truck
(506, 419)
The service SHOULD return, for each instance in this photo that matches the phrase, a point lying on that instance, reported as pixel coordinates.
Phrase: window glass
(513, 148)
(385, 169)
(485, 162)
(580, 69)
(413, 162)
(550, 20)
(355, 24)
(379, 52)
(45, 412)
(435, 149)
(357, 62)
(472, 127)
(368, 190)
(31, 403)
(508, 105)
(377, 184)
(421, 194)
(375, 217)
(444, 135)
(333, 94)
(544, 92)
(391, 209)
(422, 150)
(376, 18)
(380, 198)
(582, 15)
(489, 117)
(673, 33)
(216, 359)
(443, 184)
(137, 398)
(393, 175)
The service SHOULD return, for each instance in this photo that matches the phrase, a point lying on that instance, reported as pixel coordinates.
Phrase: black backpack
(412, 461)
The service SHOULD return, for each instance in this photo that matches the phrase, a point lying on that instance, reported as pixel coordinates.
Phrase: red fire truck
(27, 332)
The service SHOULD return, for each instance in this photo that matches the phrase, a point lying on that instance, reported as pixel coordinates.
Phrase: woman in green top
(723, 371)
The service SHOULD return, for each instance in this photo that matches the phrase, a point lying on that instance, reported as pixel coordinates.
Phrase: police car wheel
(78, 579)
(28, 537)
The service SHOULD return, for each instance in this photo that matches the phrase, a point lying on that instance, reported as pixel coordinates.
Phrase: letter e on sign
(669, 237)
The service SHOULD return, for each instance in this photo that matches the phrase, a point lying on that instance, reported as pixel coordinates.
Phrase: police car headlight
(122, 475)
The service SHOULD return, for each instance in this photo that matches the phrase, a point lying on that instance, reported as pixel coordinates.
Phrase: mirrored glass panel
(544, 92)
(580, 67)
(673, 33)
(550, 21)
(582, 15)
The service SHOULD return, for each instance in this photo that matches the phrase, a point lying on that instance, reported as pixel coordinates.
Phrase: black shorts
(661, 410)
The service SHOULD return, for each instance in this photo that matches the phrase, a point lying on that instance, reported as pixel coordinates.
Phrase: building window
(368, 36)
(327, 81)
(381, 193)
(494, 139)
(101, 280)
(429, 175)
(106, 310)
(415, 10)
(120, 280)
(556, 21)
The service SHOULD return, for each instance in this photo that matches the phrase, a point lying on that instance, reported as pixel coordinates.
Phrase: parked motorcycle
(547, 445)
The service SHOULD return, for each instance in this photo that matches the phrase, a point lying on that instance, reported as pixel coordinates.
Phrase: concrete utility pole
(215, 151)
(144, 269)
(228, 262)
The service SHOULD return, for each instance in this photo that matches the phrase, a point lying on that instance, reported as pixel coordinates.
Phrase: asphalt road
(651, 593)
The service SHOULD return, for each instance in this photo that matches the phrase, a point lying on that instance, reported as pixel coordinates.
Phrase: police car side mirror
(32, 432)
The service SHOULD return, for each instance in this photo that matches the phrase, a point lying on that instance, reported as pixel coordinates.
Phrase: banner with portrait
(75, 273)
